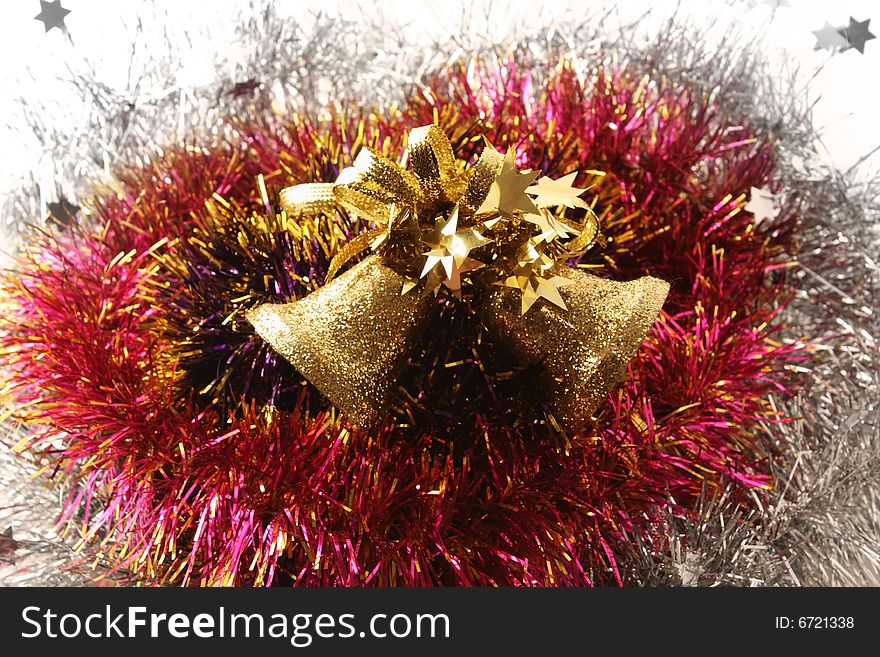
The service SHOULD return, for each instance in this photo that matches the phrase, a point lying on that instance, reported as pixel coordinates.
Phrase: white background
(844, 86)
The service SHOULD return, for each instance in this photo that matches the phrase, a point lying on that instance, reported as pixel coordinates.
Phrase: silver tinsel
(821, 525)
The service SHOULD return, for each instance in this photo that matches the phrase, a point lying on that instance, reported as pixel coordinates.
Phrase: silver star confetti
(763, 204)
(52, 15)
(829, 38)
(856, 34)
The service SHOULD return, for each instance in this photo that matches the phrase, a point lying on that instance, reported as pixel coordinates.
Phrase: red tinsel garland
(112, 333)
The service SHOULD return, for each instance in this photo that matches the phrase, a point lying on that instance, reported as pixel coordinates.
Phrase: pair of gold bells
(351, 338)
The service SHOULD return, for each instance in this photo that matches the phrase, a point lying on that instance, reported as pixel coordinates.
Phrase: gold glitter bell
(349, 338)
(585, 349)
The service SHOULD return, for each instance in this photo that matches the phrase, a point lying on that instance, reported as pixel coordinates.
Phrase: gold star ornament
(508, 193)
(561, 191)
(551, 228)
(534, 276)
(449, 256)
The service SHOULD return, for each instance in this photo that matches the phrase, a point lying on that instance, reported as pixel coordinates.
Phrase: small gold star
(507, 193)
(450, 250)
(551, 227)
(549, 192)
(533, 277)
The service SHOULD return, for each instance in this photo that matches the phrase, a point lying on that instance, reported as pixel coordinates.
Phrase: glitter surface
(308, 198)
(585, 350)
(350, 337)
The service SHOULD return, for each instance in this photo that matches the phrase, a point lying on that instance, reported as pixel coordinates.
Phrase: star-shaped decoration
(532, 276)
(856, 34)
(549, 192)
(762, 203)
(8, 546)
(829, 38)
(507, 193)
(52, 15)
(450, 249)
(63, 212)
(551, 228)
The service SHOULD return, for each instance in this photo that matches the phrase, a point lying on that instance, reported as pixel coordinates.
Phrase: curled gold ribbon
(308, 199)
(485, 172)
(375, 184)
(375, 188)
(352, 249)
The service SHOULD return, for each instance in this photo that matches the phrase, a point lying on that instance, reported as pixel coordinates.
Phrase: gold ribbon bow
(442, 224)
